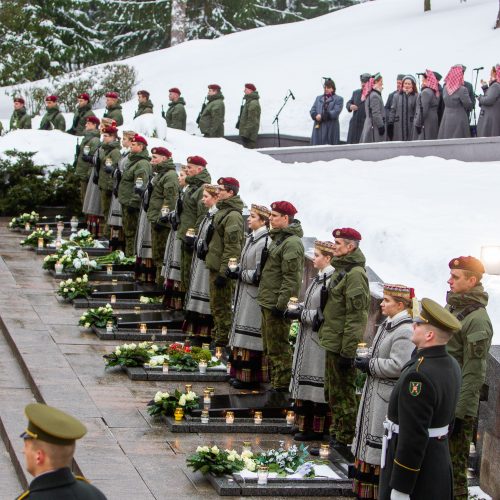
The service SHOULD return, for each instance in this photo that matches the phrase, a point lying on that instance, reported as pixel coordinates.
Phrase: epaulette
(81, 478)
(24, 495)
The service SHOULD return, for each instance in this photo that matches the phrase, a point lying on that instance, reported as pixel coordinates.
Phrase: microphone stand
(474, 110)
(277, 117)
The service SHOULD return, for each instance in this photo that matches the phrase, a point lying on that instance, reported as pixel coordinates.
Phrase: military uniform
(165, 192)
(421, 409)
(470, 347)
(80, 118)
(176, 114)
(281, 279)
(144, 108)
(91, 139)
(108, 153)
(114, 113)
(345, 319)
(20, 119)
(226, 243)
(53, 119)
(211, 121)
(249, 120)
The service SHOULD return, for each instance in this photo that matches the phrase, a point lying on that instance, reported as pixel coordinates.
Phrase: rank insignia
(415, 388)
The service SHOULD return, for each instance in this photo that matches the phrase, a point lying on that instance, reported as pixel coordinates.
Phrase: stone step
(11, 486)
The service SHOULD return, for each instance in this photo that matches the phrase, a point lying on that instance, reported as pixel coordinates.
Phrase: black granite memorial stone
(126, 291)
(141, 373)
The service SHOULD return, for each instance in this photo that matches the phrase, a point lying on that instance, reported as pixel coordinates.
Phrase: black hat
(364, 77)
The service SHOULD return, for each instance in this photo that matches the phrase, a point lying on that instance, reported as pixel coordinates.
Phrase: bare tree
(178, 16)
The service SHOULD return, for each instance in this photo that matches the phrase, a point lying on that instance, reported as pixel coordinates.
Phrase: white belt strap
(392, 428)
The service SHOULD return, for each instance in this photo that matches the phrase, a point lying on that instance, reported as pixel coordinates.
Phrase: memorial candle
(262, 474)
(257, 417)
(113, 299)
(290, 418)
(165, 366)
(109, 327)
(206, 397)
(40, 242)
(204, 417)
(143, 328)
(324, 451)
(202, 365)
(229, 417)
(58, 267)
(188, 388)
(163, 330)
(109, 269)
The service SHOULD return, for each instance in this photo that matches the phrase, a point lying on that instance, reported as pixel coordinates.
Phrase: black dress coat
(357, 119)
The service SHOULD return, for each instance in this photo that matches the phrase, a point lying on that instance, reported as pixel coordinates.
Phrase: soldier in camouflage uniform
(83, 111)
(211, 117)
(113, 109)
(137, 166)
(53, 119)
(145, 105)
(467, 301)
(226, 243)
(345, 319)
(20, 118)
(176, 113)
(164, 194)
(249, 119)
(281, 279)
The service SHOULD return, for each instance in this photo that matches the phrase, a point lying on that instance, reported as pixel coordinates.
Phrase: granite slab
(89, 250)
(82, 303)
(153, 334)
(98, 276)
(140, 373)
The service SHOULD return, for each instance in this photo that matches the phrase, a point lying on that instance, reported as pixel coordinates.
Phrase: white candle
(290, 418)
(229, 417)
(257, 418)
(58, 267)
(204, 417)
(109, 327)
(109, 269)
(143, 328)
(202, 365)
(165, 367)
(324, 451)
(262, 474)
(163, 330)
(113, 299)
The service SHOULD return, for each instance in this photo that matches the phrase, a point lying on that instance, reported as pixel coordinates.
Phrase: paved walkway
(50, 359)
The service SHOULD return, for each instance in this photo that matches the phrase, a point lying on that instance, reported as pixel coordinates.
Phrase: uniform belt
(392, 428)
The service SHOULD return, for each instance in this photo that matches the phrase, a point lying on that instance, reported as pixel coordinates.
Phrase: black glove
(132, 210)
(390, 131)
(345, 363)
(164, 219)
(457, 426)
(220, 281)
(189, 241)
(108, 169)
(95, 177)
(418, 129)
(381, 130)
(233, 275)
(293, 313)
(362, 364)
(88, 158)
(138, 191)
(277, 313)
(158, 227)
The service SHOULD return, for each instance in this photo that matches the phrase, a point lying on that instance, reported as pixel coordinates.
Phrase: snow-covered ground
(415, 214)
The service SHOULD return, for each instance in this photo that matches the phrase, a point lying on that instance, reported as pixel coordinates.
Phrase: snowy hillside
(414, 213)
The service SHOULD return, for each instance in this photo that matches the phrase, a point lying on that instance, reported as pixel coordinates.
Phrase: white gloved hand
(397, 495)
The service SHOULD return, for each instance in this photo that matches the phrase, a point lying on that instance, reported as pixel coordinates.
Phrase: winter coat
(455, 121)
(111, 153)
(402, 115)
(375, 118)
(489, 117)
(227, 237)
(346, 310)
(192, 208)
(20, 119)
(358, 117)
(282, 274)
(80, 119)
(329, 107)
(114, 113)
(249, 121)
(144, 108)
(423, 398)
(53, 119)
(92, 140)
(471, 345)
(391, 350)
(247, 317)
(388, 104)
(426, 115)
(308, 368)
(212, 116)
(176, 114)
(137, 166)
(165, 191)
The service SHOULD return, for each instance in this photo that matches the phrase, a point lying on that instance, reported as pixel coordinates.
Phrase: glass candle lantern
(58, 243)
(139, 183)
(206, 397)
(109, 327)
(187, 388)
(27, 226)
(143, 328)
(293, 304)
(40, 242)
(164, 210)
(229, 417)
(190, 233)
(290, 418)
(247, 446)
(109, 269)
(362, 350)
(202, 365)
(257, 418)
(108, 162)
(114, 282)
(187, 343)
(204, 417)
(58, 266)
(165, 366)
(86, 150)
(137, 309)
(205, 346)
(46, 228)
(228, 368)
(232, 264)
(178, 414)
(324, 451)
(212, 391)
(164, 330)
(113, 299)
(74, 224)
(262, 474)
(218, 352)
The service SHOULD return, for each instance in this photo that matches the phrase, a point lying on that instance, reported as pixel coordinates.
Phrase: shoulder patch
(415, 388)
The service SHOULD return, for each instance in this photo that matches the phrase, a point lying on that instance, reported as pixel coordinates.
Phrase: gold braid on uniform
(23, 495)
(420, 361)
(405, 467)
(81, 478)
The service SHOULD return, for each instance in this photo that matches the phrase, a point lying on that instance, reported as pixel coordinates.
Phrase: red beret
(467, 264)
(347, 233)
(19, 99)
(113, 95)
(229, 183)
(214, 86)
(284, 207)
(139, 138)
(145, 93)
(51, 98)
(84, 96)
(162, 152)
(93, 119)
(197, 160)
(175, 90)
(110, 130)
(250, 86)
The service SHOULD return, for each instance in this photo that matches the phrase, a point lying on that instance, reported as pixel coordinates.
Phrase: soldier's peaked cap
(434, 314)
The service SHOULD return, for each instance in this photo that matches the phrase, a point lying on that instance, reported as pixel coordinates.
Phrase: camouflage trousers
(340, 392)
(275, 333)
(459, 451)
(220, 305)
(130, 221)
(158, 244)
(186, 260)
(105, 205)
(248, 143)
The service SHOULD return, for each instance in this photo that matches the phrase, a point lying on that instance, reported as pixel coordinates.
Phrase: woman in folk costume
(390, 351)
(426, 113)
(457, 105)
(374, 127)
(402, 114)
(115, 209)
(171, 271)
(308, 369)
(199, 322)
(248, 364)
(489, 117)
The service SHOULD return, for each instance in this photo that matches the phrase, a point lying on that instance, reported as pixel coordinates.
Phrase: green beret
(51, 425)
(433, 314)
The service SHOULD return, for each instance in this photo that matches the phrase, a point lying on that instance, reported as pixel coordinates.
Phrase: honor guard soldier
(415, 458)
(49, 446)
